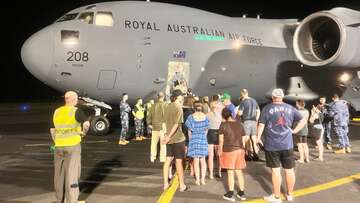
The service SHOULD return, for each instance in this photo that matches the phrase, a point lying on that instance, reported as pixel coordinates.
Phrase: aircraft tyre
(99, 125)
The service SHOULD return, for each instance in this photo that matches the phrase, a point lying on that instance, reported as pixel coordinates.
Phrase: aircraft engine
(329, 38)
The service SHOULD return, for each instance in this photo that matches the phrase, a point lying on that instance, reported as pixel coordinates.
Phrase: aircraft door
(178, 77)
(107, 79)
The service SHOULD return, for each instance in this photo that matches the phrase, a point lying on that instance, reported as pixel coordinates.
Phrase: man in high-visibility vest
(139, 114)
(70, 124)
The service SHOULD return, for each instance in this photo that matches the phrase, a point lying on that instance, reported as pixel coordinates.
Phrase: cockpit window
(70, 37)
(104, 18)
(67, 17)
(87, 17)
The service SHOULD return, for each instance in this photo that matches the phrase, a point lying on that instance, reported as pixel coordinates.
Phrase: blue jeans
(327, 132)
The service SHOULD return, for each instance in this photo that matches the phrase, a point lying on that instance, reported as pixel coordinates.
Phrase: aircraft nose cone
(37, 54)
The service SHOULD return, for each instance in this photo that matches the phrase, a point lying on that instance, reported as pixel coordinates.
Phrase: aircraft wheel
(99, 125)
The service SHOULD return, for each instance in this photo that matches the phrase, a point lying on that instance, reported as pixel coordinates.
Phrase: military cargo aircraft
(106, 49)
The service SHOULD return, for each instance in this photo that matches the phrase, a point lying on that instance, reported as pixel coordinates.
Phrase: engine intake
(329, 38)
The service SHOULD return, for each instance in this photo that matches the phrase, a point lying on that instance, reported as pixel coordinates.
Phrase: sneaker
(121, 142)
(348, 150)
(340, 151)
(127, 142)
(152, 160)
(289, 198)
(229, 196)
(138, 138)
(241, 195)
(272, 199)
(328, 146)
(318, 159)
(143, 137)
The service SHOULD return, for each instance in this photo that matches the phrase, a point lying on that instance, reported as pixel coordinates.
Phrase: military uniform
(124, 117)
(139, 114)
(340, 113)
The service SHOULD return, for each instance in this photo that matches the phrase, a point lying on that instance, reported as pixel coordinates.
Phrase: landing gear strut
(99, 124)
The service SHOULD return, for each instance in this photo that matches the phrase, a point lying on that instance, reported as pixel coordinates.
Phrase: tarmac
(113, 173)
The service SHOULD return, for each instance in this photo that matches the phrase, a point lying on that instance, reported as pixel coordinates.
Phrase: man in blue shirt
(276, 119)
(249, 112)
(339, 110)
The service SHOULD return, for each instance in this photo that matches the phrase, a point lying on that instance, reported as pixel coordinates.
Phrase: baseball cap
(277, 93)
(177, 93)
(225, 95)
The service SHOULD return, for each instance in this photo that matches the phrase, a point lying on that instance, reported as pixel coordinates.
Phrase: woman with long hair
(317, 118)
(215, 119)
(198, 125)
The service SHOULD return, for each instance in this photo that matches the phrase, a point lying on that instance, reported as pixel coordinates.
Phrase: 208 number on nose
(77, 56)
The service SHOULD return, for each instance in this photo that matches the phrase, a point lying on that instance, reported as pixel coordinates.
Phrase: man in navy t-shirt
(276, 121)
(249, 112)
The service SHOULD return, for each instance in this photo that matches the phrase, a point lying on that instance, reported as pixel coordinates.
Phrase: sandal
(186, 189)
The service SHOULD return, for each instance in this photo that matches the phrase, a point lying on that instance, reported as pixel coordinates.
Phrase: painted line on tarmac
(35, 145)
(98, 141)
(317, 188)
(85, 142)
(169, 193)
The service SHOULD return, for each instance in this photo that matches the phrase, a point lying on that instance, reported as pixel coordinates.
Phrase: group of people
(140, 114)
(323, 117)
(190, 129)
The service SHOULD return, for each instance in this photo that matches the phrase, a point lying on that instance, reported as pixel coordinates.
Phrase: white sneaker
(289, 198)
(272, 199)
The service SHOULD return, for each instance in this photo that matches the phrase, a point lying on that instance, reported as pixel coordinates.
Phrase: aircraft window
(87, 17)
(69, 37)
(67, 17)
(104, 19)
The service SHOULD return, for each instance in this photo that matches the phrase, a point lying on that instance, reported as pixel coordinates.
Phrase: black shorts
(176, 150)
(285, 157)
(301, 139)
(213, 137)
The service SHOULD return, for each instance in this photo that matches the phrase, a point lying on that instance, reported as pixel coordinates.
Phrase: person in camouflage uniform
(139, 114)
(124, 117)
(339, 110)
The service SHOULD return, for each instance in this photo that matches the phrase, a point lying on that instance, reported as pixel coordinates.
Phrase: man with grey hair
(69, 125)
(276, 121)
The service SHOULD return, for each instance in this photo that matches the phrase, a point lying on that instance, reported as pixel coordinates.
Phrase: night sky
(23, 18)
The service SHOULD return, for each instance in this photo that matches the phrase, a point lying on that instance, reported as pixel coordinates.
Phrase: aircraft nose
(37, 54)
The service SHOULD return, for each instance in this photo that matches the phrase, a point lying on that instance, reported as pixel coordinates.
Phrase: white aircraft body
(140, 48)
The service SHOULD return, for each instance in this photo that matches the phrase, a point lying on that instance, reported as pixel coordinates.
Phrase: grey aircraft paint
(132, 55)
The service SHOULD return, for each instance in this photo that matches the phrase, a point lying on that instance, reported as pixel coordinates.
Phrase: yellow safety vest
(140, 113)
(67, 129)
